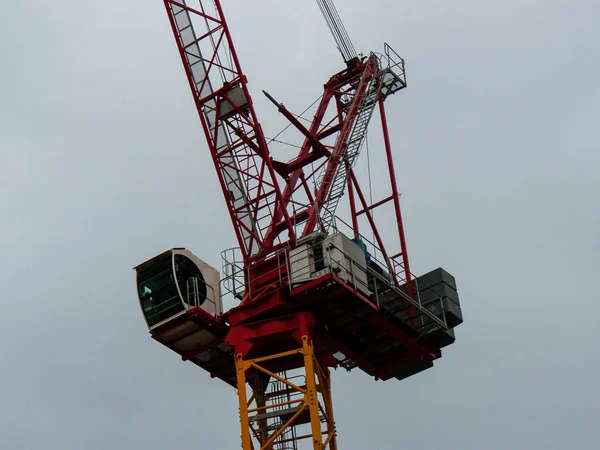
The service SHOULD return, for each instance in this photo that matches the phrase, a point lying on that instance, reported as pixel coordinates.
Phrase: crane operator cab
(180, 299)
(175, 282)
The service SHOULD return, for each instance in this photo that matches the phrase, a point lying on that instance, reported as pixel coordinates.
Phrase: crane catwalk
(314, 293)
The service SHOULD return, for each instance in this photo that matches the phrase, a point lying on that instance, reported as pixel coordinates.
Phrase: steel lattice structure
(311, 298)
(267, 198)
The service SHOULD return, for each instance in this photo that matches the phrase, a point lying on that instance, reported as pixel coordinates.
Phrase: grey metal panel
(237, 96)
(453, 313)
(409, 368)
(302, 264)
(440, 284)
(439, 290)
(436, 276)
(347, 260)
(449, 297)
(439, 338)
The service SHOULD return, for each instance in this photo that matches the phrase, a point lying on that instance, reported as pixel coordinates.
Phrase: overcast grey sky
(103, 165)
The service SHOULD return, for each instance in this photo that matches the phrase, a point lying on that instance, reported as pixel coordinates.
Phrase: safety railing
(233, 274)
(370, 277)
(167, 309)
(393, 74)
(194, 298)
(281, 399)
(376, 254)
(429, 313)
(373, 281)
(234, 283)
(284, 401)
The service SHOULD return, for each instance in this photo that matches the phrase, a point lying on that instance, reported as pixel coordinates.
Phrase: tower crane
(313, 292)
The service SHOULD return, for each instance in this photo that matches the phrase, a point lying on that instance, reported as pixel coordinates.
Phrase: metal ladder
(274, 419)
(287, 439)
(355, 142)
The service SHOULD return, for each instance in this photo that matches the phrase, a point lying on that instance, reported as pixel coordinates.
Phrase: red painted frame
(265, 309)
(274, 210)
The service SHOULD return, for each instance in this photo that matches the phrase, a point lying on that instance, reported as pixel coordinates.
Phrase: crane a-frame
(314, 293)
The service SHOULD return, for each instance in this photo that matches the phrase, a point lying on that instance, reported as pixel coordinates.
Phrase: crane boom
(249, 176)
(234, 135)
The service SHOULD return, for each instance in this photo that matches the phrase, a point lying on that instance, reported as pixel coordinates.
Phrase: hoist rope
(334, 22)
